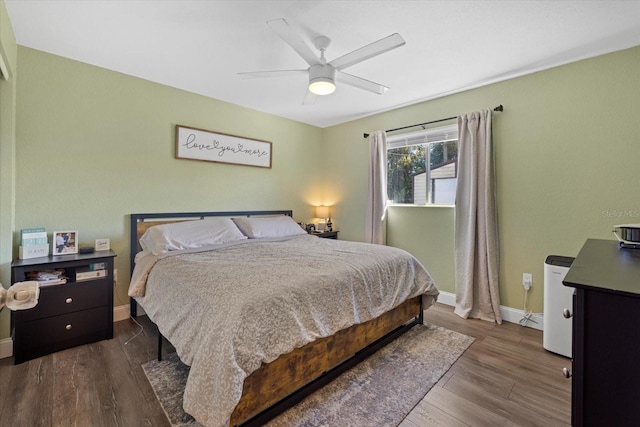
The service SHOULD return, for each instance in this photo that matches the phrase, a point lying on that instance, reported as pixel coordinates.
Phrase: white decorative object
(103, 244)
(20, 296)
(33, 251)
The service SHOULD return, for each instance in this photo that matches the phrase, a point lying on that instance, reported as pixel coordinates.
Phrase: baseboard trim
(511, 315)
(6, 348)
(447, 298)
(120, 312)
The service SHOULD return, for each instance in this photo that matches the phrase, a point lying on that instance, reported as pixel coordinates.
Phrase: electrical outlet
(527, 280)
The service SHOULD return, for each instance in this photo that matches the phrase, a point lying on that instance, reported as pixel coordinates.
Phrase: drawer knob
(566, 372)
(69, 300)
(68, 327)
(566, 313)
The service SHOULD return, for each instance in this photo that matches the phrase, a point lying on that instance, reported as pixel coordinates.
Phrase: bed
(264, 313)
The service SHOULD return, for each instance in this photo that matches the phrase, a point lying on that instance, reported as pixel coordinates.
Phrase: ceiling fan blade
(266, 74)
(361, 83)
(310, 98)
(294, 40)
(369, 51)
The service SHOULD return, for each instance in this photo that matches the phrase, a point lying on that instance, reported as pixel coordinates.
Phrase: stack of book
(48, 277)
(33, 243)
(92, 271)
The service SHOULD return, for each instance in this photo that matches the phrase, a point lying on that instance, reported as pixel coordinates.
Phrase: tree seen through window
(409, 181)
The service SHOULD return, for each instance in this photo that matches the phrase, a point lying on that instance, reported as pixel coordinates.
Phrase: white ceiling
(200, 46)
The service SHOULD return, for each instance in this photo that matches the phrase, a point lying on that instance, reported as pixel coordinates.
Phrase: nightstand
(327, 234)
(77, 312)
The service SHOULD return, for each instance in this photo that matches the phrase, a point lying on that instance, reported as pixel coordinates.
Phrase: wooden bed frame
(277, 386)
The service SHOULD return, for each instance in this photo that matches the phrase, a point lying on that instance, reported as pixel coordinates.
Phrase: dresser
(606, 335)
(77, 312)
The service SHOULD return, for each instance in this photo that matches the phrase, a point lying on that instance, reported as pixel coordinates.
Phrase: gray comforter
(230, 309)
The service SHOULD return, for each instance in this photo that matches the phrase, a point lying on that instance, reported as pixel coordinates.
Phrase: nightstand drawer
(58, 330)
(62, 299)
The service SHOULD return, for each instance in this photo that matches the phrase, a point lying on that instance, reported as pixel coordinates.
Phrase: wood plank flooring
(99, 384)
(505, 378)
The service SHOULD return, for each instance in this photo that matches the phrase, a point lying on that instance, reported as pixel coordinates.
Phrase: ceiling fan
(323, 74)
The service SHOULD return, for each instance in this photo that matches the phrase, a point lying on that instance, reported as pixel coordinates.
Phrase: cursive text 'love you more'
(221, 148)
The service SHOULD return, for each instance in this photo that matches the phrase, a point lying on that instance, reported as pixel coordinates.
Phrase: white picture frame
(64, 242)
(102, 245)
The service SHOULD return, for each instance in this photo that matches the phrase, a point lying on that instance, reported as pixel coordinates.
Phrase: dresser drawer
(62, 299)
(68, 315)
(59, 330)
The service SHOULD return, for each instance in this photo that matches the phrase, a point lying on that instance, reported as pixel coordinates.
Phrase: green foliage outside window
(404, 163)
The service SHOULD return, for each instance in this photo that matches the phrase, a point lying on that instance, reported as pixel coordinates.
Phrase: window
(409, 180)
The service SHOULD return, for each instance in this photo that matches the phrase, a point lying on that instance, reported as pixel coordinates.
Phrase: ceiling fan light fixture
(322, 86)
(322, 79)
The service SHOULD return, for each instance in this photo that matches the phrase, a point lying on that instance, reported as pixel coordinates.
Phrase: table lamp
(323, 212)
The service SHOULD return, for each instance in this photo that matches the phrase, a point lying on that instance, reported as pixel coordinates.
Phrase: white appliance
(556, 334)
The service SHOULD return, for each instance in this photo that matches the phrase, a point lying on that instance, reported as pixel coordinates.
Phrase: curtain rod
(498, 108)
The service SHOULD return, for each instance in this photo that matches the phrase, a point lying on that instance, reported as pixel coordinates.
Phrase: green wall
(567, 151)
(96, 145)
(8, 52)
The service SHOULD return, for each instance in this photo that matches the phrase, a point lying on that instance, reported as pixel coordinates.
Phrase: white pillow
(190, 234)
(272, 226)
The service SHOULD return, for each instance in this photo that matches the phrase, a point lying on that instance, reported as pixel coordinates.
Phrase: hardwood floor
(99, 384)
(505, 378)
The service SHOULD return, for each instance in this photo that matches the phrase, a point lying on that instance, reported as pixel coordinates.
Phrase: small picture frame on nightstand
(65, 242)
(103, 244)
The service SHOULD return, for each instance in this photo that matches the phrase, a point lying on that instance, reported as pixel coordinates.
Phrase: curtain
(476, 223)
(375, 227)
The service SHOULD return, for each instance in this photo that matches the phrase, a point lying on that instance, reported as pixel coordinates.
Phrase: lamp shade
(322, 211)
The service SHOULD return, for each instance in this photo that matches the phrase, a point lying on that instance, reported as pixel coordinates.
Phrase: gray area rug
(380, 391)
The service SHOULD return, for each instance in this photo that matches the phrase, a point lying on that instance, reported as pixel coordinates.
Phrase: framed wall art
(65, 242)
(200, 144)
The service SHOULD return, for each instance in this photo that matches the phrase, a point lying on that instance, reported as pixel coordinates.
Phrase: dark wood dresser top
(604, 266)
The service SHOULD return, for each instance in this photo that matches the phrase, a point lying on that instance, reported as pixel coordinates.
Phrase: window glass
(422, 167)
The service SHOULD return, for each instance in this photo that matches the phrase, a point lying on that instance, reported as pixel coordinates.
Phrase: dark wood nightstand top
(54, 259)
(326, 234)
